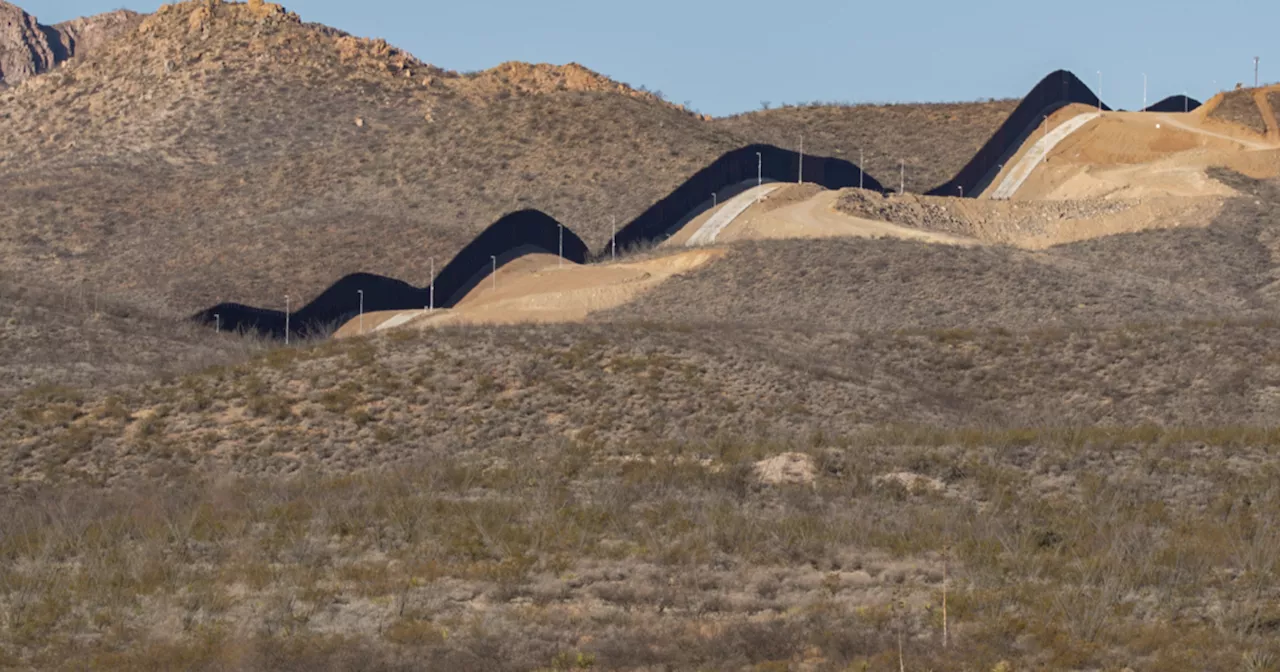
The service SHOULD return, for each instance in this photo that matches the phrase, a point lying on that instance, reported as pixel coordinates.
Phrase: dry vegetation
(228, 138)
(88, 339)
(935, 140)
(1239, 107)
(588, 501)
(1076, 447)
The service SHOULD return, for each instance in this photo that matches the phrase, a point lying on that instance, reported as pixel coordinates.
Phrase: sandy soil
(537, 288)
(816, 217)
(1130, 155)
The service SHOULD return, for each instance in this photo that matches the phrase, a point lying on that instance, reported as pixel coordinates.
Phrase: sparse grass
(575, 559)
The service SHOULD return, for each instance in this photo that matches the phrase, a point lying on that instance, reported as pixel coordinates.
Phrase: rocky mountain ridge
(28, 48)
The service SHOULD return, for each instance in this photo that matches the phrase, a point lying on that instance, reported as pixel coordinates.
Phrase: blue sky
(726, 57)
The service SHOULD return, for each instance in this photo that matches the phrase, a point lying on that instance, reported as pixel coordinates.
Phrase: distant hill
(933, 140)
(28, 48)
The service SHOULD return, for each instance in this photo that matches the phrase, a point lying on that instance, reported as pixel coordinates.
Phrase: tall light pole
(361, 293)
(613, 239)
(801, 180)
(431, 295)
(1044, 155)
(217, 323)
(1144, 92)
(715, 199)
(759, 173)
(560, 228)
(1099, 91)
(902, 176)
(1186, 102)
(287, 310)
(861, 170)
(1255, 71)
(494, 274)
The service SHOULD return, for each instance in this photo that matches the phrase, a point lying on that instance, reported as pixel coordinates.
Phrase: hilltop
(29, 48)
(196, 152)
(933, 140)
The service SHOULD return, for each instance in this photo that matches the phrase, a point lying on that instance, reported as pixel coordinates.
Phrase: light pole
(961, 191)
(613, 239)
(431, 295)
(1044, 155)
(1186, 102)
(361, 293)
(1099, 91)
(217, 323)
(494, 274)
(287, 310)
(1144, 92)
(560, 228)
(759, 173)
(902, 176)
(861, 170)
(801, 180)
(715, 199)
(1255, 71)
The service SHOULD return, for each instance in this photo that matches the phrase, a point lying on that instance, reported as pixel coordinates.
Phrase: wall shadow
(1178, 103)
(528, 231)
(511, 236)
(1054, 92)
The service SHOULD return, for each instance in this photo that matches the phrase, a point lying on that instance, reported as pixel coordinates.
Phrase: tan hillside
(228, 137)
(935, 140)
(28, 48)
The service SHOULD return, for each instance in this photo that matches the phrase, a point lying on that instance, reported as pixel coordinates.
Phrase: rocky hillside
(28, 48)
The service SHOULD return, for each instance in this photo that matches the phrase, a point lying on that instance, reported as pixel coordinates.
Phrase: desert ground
(804, 429)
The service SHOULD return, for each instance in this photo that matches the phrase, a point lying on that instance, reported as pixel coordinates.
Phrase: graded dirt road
(538, 288)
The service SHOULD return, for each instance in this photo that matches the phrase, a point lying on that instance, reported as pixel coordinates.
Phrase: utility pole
(494, 274)
(287, 310)
(361, 293)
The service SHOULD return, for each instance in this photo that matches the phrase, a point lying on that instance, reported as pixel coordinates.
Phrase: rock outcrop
(28, 48)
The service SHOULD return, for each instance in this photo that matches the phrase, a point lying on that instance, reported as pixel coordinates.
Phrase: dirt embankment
(1030, 224)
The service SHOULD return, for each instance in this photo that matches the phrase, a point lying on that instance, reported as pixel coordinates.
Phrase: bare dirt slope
(542, 288)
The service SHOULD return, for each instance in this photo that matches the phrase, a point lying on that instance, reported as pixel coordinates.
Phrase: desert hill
(28, 48)
(231, 136)
(933, 140)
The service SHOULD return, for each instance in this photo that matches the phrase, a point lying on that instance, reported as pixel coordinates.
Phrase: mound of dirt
(786, 469)
(1238, 107)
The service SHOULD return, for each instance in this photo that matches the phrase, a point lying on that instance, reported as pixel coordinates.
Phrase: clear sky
(725, 57)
